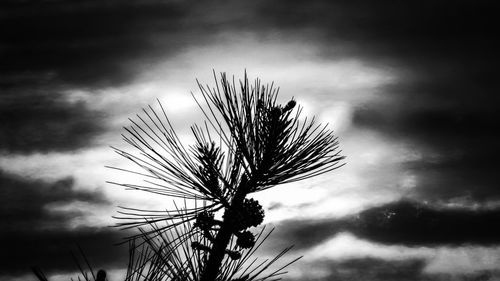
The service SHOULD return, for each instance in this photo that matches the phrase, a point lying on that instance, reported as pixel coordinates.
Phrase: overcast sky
(410, 88)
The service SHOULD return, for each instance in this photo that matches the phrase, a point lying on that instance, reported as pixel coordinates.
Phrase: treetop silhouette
(248, 143)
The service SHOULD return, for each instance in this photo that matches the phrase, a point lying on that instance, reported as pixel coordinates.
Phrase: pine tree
(248, 143)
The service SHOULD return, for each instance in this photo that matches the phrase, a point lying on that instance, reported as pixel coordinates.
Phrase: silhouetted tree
(247, 144)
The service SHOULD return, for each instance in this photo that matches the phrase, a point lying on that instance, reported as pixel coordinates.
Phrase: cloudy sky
(410, 88)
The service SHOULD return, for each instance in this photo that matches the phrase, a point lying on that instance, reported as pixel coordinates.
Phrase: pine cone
(204, 220)
(249, 214)
(245, 240)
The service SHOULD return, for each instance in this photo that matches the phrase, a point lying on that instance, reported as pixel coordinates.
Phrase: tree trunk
(222, 239)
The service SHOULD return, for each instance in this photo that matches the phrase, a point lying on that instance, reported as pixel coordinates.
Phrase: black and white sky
(410, 88)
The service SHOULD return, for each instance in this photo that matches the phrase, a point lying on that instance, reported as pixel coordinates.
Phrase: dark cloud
(32, 235)
(465, 177)
(97, 44)
(373, 269)
(93, 42)
(412, 224)
(455, 130)
(88, 43)
(403, 223)
(24, 202)
(413, 29)
(41, 120)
